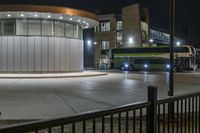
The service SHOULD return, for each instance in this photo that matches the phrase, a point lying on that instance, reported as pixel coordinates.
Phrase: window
(80, 33)
(8, 27)
(34, 27)
(69, 30)
(76, 30)
(105, 45)
(21, 27)
(119, 25)
(105, 26)
(47, 28)
(59, 28)
(119, 36)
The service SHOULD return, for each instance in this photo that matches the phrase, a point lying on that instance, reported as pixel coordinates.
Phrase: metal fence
(178, 114)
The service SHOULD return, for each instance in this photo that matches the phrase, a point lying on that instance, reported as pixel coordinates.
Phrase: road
(27, 99)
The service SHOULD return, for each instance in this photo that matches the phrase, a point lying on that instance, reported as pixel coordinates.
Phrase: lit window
(34, 27)
(8, 27)
(119, 25)
(105, 26)
(69, 29)
(21, 27)
(47, 28)
(76, 30)
(59, 28)
(105, 45)
(119, 36)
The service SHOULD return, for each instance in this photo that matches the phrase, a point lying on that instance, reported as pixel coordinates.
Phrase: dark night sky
(187, 11)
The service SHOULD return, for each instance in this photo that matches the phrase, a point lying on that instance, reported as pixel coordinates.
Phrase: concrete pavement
(27, 99)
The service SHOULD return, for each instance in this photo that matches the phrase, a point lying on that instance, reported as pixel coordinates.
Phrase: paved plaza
(43, 98)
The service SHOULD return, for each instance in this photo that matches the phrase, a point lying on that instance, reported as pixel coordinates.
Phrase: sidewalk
(53, 75)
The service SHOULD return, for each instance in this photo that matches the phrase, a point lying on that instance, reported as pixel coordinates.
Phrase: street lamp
(151, 41)
(172, 21)
(178, 43)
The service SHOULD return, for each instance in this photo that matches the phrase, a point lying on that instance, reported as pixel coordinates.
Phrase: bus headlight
(145, 65)
(126, 65)
(167, 66)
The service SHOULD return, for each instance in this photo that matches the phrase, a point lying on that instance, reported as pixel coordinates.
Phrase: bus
(153, 58)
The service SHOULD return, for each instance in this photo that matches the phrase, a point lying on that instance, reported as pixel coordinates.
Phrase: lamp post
(172, 21)
(171, 75)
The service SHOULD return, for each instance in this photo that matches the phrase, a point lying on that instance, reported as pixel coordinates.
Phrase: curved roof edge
(48, 9)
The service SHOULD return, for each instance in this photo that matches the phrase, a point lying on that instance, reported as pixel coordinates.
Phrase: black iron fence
(178, 114)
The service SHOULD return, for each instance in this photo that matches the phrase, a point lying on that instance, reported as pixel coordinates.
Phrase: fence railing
(178, 114)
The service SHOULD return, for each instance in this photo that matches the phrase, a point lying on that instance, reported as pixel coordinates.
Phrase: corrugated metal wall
(40, 54)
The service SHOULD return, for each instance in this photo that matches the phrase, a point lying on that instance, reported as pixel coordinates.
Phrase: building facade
(39, 39)
(129, 29)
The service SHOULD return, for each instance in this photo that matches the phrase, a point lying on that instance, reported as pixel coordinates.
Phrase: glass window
(8, 27)
(80, 33)
(34, 27)
(69, 30)
(47, 28)
(59, 28)
(119, 25)
(21, 27)
(105, 26)
(105, 45)
(119, 36)
(76, 30)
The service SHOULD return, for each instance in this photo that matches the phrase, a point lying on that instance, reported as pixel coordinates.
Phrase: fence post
(152, 111)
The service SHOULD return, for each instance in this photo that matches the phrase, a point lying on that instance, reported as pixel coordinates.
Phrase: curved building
(42, 38)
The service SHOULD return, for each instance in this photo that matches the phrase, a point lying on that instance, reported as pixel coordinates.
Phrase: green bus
(153, 58)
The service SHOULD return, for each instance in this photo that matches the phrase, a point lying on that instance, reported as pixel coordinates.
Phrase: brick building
(128, 29)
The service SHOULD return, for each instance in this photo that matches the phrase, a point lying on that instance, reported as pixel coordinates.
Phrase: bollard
(152, 110)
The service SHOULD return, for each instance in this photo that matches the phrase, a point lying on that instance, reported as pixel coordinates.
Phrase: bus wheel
(131, 68)
(122, 68)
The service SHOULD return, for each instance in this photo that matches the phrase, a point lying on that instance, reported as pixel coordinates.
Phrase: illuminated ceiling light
(61, 17)
(9, 15)
(79, 20)
(22, 15)
(35, 15)
(84, 22)
(70, 19)
(48, 16)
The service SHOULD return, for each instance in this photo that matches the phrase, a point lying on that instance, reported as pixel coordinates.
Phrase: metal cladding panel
(4, 54)
(38, 54)
(45, 54)
(79, 53)
(67, 55)
(81, 56)
(62, 58)
(31, 54)
(73, 52)
(0, 53)
(24, 54)
(10, 54)
(76, 55)
(51, 54)
(57, 55)
(17, 57)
